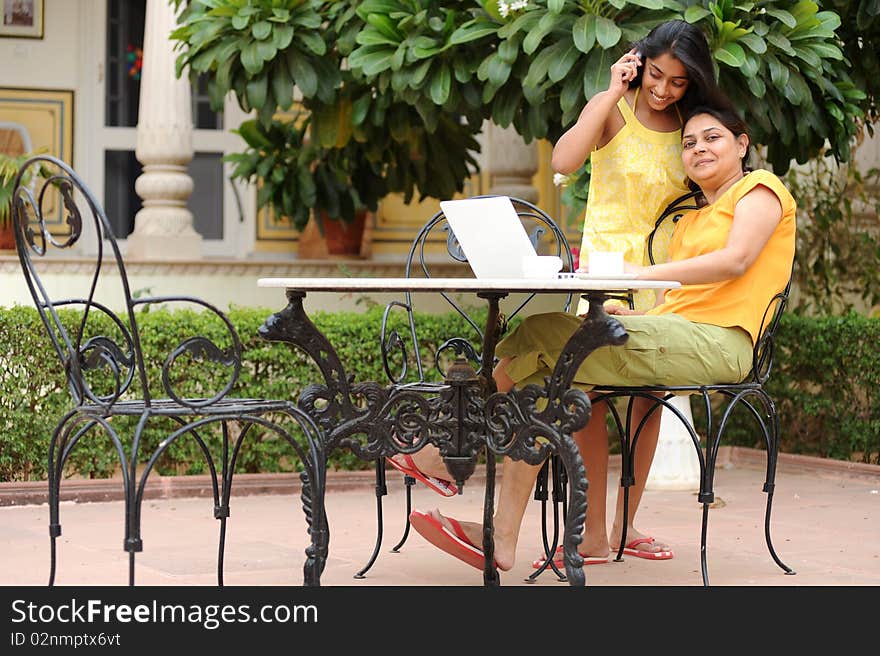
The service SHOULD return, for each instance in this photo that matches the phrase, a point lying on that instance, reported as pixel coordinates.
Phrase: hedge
(825, 383)
(33, 391)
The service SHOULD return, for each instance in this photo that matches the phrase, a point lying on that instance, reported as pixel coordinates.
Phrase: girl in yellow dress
(632, 134)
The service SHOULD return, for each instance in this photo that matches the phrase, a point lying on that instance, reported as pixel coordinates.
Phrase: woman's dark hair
(725, 114)
(688, 45)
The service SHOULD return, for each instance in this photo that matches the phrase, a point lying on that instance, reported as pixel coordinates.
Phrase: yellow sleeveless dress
(634, 177)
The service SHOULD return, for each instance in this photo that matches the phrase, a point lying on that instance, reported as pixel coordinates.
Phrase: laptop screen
(490, 234)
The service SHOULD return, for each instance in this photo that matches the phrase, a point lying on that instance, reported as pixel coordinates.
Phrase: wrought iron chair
(404, 356)
(748, 394)
(113, 396)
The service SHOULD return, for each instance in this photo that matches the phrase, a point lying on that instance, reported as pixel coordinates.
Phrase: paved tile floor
(826, 526)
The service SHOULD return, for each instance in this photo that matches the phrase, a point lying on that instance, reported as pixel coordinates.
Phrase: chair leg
(549, 544)
(221, 550)
(706, 496)
(52, 561)
(627, 476)
(769, 487)
(133, 541)
(54, 527)
(788, 570)
(703, 533)
(627, 479)
(560, 504)
(408, 482)
(381, 491)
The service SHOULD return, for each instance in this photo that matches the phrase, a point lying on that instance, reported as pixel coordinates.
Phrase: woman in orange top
(732, 257)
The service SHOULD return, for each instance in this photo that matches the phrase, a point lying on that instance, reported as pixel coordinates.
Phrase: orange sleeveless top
(740, 301)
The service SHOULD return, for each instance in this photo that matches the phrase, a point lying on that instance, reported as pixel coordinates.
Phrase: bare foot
(638, 541)
(505, 554)
(428, 461)
(590, 547)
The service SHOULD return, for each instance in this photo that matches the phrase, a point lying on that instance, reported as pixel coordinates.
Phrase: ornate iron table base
(461, 417)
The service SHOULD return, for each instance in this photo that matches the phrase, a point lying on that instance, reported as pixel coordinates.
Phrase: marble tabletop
(573, 284)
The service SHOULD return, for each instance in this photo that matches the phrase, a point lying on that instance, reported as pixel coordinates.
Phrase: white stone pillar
(163, 228)
(511, 163)
(675, 465)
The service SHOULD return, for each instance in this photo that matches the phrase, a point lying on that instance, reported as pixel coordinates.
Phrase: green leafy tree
(414, 79)
(326, 137)
(859, 33)
(838, 246)
(782, 63)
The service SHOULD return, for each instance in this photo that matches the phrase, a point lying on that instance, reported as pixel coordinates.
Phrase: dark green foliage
(826, 383)
(349, 139)
(33, 392)
(859, 34)
(838, 248)
(400, 88)
(826, 386)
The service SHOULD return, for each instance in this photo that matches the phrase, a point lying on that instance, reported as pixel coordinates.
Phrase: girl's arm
(754, 219)
(575, 146)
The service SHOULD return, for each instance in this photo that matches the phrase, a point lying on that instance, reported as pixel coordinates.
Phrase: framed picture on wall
(22, 19)
(39, 120)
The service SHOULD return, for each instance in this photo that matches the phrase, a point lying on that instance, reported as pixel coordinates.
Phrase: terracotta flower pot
(7, 238)
(345, 238)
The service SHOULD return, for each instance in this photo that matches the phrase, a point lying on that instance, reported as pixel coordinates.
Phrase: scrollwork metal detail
(200, 349)
(99, 353)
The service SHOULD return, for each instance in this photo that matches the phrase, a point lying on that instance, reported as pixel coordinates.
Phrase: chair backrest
(762, 353)
(99, 349)
(658, 238)
(435, 249)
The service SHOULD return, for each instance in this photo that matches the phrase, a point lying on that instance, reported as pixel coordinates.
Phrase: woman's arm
(754, 219)
(575, 146)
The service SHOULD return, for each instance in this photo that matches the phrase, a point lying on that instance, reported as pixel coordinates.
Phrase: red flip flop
(439, 485)
(630, 550)
(454, 542)
(559, 560)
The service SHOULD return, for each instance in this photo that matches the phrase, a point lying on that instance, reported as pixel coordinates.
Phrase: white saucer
(598, 276)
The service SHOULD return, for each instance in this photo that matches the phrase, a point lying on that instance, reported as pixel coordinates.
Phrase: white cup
(541, 266)
(605, 263)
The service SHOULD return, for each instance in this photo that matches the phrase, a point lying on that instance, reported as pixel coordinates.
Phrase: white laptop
(491, 235)
(496, 245)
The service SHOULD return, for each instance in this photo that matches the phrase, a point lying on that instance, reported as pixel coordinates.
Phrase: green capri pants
(663, 349)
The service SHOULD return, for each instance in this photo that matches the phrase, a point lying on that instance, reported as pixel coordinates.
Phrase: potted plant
(299, 178)
(10, 165)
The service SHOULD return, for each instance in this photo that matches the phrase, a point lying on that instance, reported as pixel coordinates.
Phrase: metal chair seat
(172, 408)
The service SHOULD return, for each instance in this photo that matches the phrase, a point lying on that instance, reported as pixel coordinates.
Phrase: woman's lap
(661, 350)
